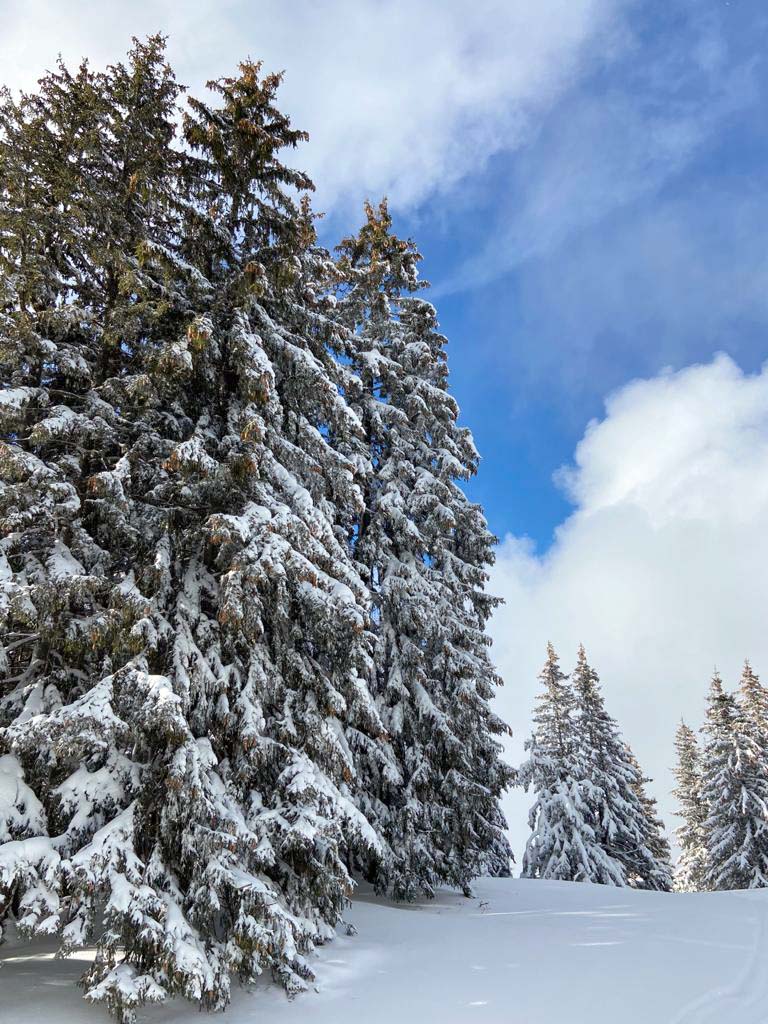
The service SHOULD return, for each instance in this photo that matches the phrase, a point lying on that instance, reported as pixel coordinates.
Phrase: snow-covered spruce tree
(662, 876)
(753, 702)
(185, 651)
(735, 792)
(690, 869)
(424, 549)
(623, 816)
(564, 841)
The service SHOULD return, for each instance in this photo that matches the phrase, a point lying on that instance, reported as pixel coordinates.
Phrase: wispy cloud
(638, 124)
(664, 284)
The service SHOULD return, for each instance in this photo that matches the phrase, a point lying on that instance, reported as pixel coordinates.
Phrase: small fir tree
(753, 702)
(563, 841)
(690, 871)
(592, 819)
(735, 791)
(627, 828)
(661, 875)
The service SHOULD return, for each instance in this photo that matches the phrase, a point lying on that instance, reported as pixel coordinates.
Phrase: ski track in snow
(746, 999)
(521, 952)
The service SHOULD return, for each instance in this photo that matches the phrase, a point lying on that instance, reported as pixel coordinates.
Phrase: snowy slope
(521, 952)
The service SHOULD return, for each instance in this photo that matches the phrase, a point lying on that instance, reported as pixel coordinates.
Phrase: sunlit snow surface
(521, 952)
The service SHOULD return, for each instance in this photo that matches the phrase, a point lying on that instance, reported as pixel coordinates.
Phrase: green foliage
(425, 550)
(190, 697)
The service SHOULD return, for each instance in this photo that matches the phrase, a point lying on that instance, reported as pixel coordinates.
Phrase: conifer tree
(241, 592)
(424, 549)
(691, 866)
(735, 791)
(627, 828)
(563, 842)
(753, 702)
(593, 819)
(661, 874)
(185, 645)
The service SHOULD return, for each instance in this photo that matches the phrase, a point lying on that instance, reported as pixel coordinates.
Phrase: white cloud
(661, 569)
(398, 97)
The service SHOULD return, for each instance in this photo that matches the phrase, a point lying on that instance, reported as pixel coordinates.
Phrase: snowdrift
(520, 952)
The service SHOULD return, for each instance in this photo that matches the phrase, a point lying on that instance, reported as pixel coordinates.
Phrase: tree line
(593, 820)
(722, 790)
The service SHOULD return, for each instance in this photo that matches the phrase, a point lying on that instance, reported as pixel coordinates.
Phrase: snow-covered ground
(521, 952)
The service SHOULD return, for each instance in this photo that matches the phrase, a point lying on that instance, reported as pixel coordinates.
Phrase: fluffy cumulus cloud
(398, 97)
(659, 570)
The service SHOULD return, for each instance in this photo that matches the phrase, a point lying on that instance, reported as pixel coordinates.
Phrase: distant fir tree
(623, 816)
(662, 875)
(424, 550)
(753, 702)
(690, 870)
(185, 649)
(593, 819)
(563, 843)
(735, 791)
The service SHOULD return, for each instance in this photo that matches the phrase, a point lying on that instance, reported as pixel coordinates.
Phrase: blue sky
(627, 235)
(587, 182)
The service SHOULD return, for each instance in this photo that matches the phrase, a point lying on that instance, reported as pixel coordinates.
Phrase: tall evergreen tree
(627, 828)
(424, 549)
(241, 592)
(735, 792)
(691, 866)
(185, 646)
